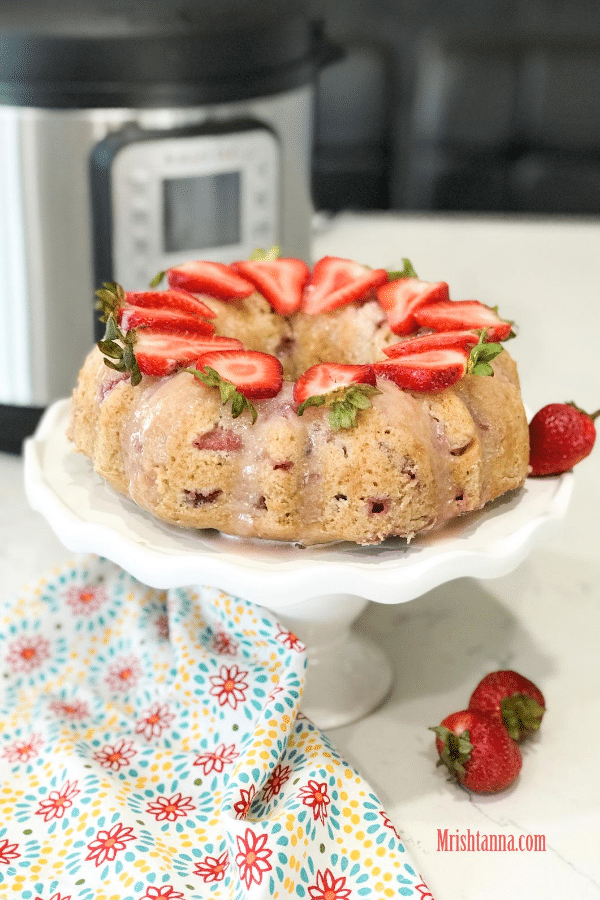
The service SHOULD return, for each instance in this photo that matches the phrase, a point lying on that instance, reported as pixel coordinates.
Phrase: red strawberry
(326, 377)
(255, 375)
(511, 699)
(345, 389)
(560, 436)
(477, 751)
(454, 314)
(212, 278)
(280, 281)
(162, 353)
(219, 439)
(335, 282)
(444, 340)
(174, 299)
(400, 299)
(432, 370)
(150, 318)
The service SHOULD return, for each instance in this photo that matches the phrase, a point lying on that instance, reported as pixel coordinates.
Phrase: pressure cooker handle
(325, 51)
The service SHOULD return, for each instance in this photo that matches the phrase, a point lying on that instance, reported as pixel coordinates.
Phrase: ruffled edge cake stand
(316, 592)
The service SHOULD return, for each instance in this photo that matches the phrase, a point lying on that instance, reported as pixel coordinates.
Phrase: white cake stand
(317, 592)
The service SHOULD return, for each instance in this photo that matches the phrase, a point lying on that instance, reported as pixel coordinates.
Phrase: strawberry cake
(268, 400)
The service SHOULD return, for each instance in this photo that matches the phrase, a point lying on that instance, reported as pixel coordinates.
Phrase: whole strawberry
(511, 699)
(560, 436)
(477, 751)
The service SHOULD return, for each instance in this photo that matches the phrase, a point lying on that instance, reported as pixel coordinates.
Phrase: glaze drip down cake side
(266, 400)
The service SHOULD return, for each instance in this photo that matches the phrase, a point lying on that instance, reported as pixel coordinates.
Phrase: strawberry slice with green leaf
(461, 340)
(335, 282)
(212, 278)
(458, 314)
(430, 371)
(256, 375)
(345, 388)
(182, 301)
(162, 353)
(156, 310)
(281, 281)
(401, 298)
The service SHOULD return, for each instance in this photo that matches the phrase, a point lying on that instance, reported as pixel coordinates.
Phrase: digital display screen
(201, 211)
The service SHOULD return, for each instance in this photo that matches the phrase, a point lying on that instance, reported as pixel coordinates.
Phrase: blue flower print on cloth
(152, 748)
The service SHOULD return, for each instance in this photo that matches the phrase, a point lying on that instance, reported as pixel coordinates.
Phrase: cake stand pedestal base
(348, 675)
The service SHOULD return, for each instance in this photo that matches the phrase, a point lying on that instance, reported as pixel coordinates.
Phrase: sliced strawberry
(335, 282)
(459, 340)
(454, 314)
(174, 299)
(212, 278)
(219, 439)
(162, 353)
(326, 377)
(432, 370)
(255, 375)
(280, 281)
(153, 319)
(400, 299)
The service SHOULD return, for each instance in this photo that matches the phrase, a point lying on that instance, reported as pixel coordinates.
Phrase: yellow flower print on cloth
(152, 748)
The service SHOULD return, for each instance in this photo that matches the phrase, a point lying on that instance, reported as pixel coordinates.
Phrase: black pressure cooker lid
(68, 54)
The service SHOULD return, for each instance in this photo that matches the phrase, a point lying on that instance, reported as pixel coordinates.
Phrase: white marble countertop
(542, 620)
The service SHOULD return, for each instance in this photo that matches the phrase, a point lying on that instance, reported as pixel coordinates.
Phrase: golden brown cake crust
(413, 461)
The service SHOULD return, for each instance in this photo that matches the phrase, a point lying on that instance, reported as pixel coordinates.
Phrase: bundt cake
(267, 400)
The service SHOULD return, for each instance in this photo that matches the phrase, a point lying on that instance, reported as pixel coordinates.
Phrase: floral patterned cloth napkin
(152, 747)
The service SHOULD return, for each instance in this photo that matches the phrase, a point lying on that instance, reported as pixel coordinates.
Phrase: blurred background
(483, 106)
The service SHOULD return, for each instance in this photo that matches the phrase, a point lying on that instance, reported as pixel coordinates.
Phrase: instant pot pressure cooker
(133, 138)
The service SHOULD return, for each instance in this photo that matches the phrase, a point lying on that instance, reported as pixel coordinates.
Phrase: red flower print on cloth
(23, 750)
(389, 824)
(224, 643)
(28, 653)
(107, 844)
(275, 781)
(124, 673)
(8, 851)
(57, 896)
(252, 857)
(315, 795)
(216, 760)
(424, 892)
(164, 892)
(289, 639)
(57, 803)
(328, 887)
(212, 869)
(229, 686)
(76, 709)
(170, 808)
(116, 756)
(274, 691)
(162, 627)
(242, 806)
(155, 720)
(85, 600)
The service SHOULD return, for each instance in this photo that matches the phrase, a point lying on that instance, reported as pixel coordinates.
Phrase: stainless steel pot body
(46, 233)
